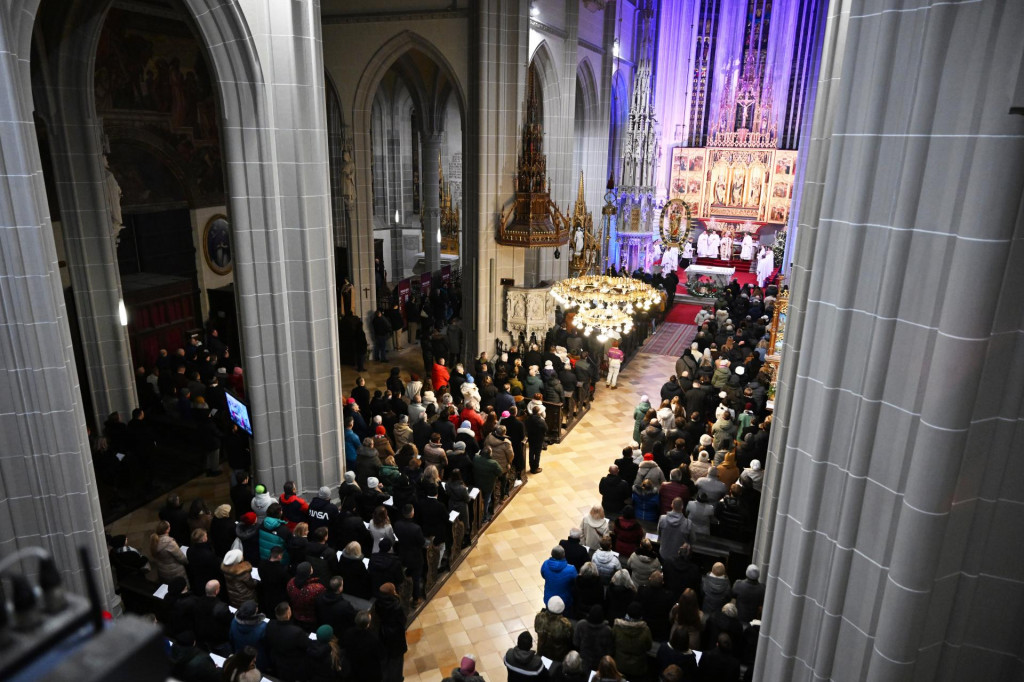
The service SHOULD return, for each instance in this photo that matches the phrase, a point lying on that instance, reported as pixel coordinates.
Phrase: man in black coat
(575, 553)
(445, 428)
(384, 567)
(536, 431)
(332, 608)
(274, 577)
(719, 663)
(681, 572)
(203, 563)
(432, 516)
(615, 493)
(411, 542)
(174, 513)
(286, 644)
(364, 650)
(212, 618)
(515, 431)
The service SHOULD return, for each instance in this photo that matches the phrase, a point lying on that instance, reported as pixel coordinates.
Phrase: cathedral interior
(280, 170)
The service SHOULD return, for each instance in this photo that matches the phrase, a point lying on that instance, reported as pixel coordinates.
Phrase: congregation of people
(631, 593)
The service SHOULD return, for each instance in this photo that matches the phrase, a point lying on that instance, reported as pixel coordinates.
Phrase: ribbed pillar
(275, 144)
(65, 99)
(48, 492)
(891, 513)
(431, 200)
(91, 255)
(500, 48)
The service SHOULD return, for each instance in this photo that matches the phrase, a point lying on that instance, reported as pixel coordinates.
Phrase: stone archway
(276, 174)
(433, 105)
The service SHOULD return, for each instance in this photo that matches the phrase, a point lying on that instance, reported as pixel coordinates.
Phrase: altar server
(747, 249)
(713, 241)
(702, 244)
(687, 253)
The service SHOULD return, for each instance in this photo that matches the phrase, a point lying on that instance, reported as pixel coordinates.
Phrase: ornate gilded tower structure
(533, 219)
(635, 228)
(449, 214)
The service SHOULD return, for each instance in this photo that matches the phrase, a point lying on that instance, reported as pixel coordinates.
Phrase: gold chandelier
(606, 321)
(605, 304)
(592, 291)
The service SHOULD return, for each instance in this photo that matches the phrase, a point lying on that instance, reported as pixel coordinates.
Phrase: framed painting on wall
(217, 244)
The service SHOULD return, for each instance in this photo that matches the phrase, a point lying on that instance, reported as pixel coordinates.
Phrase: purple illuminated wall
(691, 29)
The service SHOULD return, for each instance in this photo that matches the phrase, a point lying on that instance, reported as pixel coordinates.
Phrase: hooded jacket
(592, 641)
(628, 535)
(607, 563)
(641, 567)
(716, 592)
(673, 530)
(501, 450)
(524, 664)
(260, 503)
(638, 415)
(593, 530)
(727, 471)
(273, 533)
(559, 577)
(632, 642)
(649, 470)
(239, 583)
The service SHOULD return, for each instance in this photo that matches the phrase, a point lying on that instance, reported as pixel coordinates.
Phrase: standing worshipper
(536, 430)
(615, 358)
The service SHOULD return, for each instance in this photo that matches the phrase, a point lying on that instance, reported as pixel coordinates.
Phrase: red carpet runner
(670, 339)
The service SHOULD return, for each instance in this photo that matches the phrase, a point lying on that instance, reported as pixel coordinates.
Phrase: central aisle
(496, 592)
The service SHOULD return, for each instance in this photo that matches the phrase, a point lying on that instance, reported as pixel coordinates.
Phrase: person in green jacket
(632, 642)
(638, 417)
(485, 473)
(274, 533)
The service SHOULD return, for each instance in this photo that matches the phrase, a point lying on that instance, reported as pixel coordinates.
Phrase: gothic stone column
(431, 201)
(68, 102)
(276, 150)
(895, 468)
(48, 494)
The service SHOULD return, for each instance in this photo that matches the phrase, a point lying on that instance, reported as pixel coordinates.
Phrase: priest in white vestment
(747, 249)
(713, 241)
(702, 244)
(725, 247)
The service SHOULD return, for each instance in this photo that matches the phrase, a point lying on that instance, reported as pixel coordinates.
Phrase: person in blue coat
(559, 577)
(352, 445)
(248, 629)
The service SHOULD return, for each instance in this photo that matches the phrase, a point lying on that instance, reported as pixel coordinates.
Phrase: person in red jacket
(439, 375)
(295, 508)
(303, 590)
(627, 533)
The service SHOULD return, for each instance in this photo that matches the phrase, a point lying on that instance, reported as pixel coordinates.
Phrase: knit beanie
(324, 633)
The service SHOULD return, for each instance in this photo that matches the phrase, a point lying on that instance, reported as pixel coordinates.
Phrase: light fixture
(438, 235)
(122, 313)
(534, 10)
(615, 49)
(398, 218)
